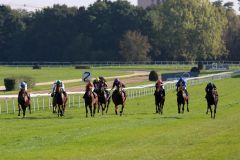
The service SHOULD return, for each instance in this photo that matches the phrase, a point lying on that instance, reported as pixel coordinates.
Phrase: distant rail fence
(113, 63)
(43, 102)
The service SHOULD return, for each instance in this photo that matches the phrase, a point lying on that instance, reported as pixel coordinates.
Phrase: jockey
(120, 85)
(159, 84)
(182, 82)
(209, 88)
(61, 84)
(96, 85)
(23, 86)
(89, 87)
(102, 83)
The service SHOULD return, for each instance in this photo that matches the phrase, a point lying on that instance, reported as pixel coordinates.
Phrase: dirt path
(136, 77)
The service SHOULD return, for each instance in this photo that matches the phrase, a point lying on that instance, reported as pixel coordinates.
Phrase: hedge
(153, 76)
(12, 83)
(82, 67)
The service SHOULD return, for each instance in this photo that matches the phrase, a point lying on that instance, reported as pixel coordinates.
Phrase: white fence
(8, 103)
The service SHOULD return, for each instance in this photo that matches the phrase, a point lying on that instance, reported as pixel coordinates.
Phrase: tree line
(118, 31)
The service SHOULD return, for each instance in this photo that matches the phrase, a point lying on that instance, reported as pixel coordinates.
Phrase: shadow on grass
(38, 117)
(171, 117)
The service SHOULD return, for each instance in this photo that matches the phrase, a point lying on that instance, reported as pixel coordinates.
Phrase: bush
(12, 83)
(200, 65)
(82, 67)
(195, 69)
(153, 76)
(36, 67)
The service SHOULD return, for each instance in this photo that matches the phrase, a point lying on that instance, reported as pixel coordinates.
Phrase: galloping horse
(159, 100)
(119, 98)
(91, 100)
(212, 99)
(104, 99)
(59, 101)
(182, 98)
(23, 102)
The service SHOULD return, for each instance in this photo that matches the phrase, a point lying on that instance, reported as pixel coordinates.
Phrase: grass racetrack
(138, 134)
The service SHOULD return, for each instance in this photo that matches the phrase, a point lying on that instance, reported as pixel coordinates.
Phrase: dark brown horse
(182, 98)
(59, 101)
(119, 98)
(91, 100)
(159, 99)
(212, 99)
(103, 99)
(23, 102)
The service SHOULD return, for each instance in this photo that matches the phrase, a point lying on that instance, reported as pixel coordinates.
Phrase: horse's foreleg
(29, 107)
(107, 106)
(94, 109)
(187, 105)
(19, 109)
(179, 105)
(183, 108)
(91, 112)
(161, 108)
(24, 111)
(210, 110)
(121, 112)
(207, 109)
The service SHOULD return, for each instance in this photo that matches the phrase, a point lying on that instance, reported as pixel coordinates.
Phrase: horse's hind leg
(116, 112)
(86, 111)
(215, 111)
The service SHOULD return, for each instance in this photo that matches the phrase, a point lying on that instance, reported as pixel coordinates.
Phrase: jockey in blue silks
(182, 82)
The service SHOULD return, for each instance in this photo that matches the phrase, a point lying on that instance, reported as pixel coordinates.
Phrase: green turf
(47, 74)
(138, 134)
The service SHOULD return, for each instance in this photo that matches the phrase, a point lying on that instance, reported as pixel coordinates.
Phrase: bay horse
(159, 99)
(59, 101)
(103, 99)
(212, 99)
(23, 102)
(119, 98)
(182, 98)
(91, 100)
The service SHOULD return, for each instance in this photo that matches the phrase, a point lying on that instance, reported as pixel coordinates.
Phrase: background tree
(134, 47)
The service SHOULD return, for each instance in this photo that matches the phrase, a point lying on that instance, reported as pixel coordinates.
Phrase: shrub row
(12, 83)
(82, 67)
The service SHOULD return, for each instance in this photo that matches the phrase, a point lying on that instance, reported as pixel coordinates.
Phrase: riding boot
(186, 92)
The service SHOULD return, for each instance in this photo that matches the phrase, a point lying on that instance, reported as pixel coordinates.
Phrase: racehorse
(59, 101)
(212, 99)
(91, 100)
(182, 98)
(159, 100)
(103, 99)
(119, 98)
(23, 102)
